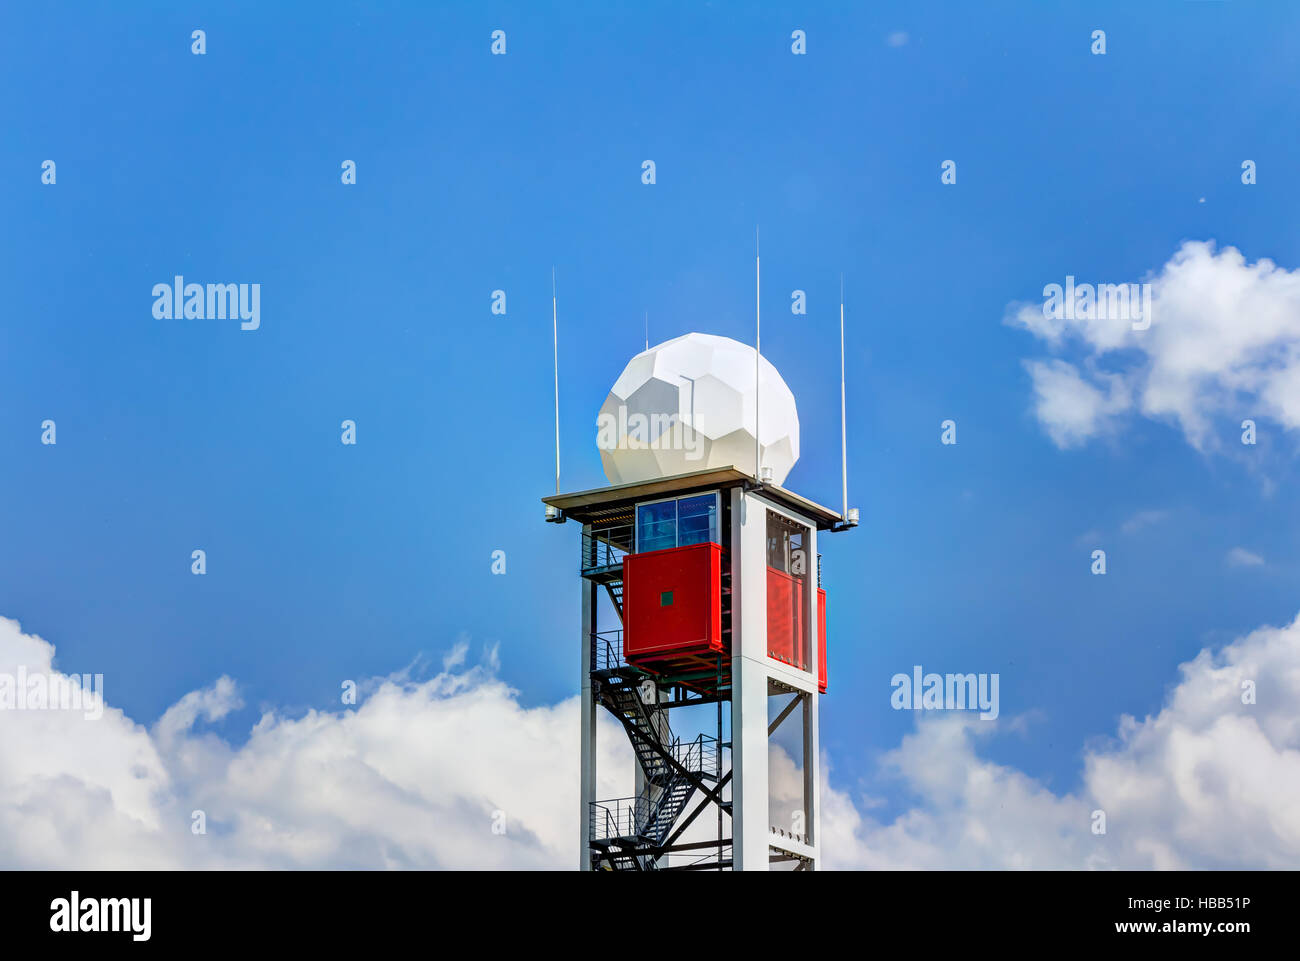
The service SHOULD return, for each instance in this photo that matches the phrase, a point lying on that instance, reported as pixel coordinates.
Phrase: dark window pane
(656, 526)
(697, 519)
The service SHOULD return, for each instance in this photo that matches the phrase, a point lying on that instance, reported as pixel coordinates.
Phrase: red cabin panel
(786, 634)
(821, 640)
(672, 605)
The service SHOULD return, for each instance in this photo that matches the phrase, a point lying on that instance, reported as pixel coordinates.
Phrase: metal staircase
(620, 694)
(629, 831)
(630, 834)
(615, 591)
(676, 791)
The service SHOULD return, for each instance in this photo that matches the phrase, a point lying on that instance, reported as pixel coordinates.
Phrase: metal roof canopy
(595, 505)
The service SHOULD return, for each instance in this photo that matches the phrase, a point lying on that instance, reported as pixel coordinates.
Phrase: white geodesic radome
(687, 405)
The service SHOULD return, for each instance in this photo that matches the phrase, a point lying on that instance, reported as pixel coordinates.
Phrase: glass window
(656, 526)
(777, 548)
(697, 519)
(785, 546)
(676, 523)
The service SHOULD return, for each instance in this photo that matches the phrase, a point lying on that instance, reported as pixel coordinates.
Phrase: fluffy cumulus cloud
(1223, 346)
(1074, 407)
(1209, 781)
(414, 775)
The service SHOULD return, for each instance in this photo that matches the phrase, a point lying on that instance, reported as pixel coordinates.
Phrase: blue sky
(478, 172)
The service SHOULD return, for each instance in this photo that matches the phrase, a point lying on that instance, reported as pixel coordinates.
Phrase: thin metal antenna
(647, 330)
(758, 353)
(844, 444)
(555, 343)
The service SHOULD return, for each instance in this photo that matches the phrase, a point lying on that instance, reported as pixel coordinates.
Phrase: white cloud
(1240, 557)
(1223, 345)
(898, 38)
(1071, 408)
(456, 656)
(1142, 519)
(1206, 782)
(972, 813)
(411, 778)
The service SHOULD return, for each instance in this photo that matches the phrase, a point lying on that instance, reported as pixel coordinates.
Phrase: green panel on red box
(672, 601)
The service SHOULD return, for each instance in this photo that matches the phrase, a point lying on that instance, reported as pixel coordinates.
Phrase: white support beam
(587, 794)
(751, 669)
(749, 673)
(811, 724)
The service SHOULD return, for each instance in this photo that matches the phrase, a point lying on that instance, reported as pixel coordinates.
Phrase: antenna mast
(844, 446)
(555, 345)
(758, 354)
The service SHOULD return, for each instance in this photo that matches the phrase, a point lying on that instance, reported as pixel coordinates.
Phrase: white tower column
(748, 683)
(811, 722)
(587, 793)
(751, 671)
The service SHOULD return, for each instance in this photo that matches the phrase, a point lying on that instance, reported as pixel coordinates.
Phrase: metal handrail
(604, 547)
(633, 816)
(621, 817)
(700, 755)
(607, 650)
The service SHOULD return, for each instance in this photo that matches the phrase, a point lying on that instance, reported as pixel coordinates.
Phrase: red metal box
(821, 640)
(786, 632)
(787, 639)
(672, 602)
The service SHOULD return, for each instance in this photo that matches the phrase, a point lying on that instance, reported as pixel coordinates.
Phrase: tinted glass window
(697, 519)
(656, 526)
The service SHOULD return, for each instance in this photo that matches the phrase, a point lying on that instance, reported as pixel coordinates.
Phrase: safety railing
(603, 548)
(699, 756)
(620, 818)
(607, 650)
(632, 817)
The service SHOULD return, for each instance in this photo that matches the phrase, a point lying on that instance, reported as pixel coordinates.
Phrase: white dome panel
(688, 405)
